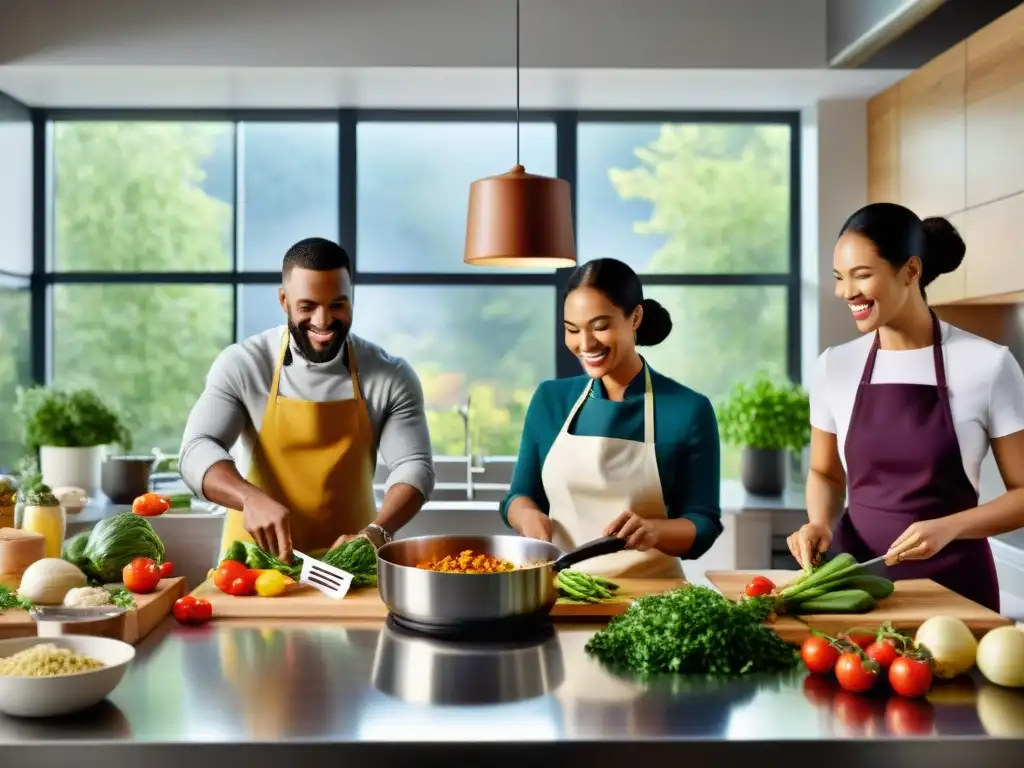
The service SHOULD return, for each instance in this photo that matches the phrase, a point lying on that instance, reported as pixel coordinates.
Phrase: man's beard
(311, 353)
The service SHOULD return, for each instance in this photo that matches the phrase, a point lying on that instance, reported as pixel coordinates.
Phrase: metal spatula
(332, 581)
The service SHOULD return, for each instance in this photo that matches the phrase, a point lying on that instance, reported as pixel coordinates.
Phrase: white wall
(15, 188)
(417, 33)
(834, 168)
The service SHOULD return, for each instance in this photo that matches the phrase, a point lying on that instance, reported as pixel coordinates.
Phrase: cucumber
(841, 601)
(878, 587)
(179, 500)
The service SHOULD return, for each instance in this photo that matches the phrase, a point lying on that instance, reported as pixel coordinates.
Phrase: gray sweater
(225, 421)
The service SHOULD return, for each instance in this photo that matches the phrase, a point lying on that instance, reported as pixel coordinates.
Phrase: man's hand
(371, 534)
(640, 533)
(267, 522)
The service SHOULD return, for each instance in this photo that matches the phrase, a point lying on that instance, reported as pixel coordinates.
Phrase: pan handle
(595, 548)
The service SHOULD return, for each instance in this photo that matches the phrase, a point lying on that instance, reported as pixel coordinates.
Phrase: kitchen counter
(734, 499)
(315, 694)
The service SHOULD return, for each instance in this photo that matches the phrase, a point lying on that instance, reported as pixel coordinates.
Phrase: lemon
(270, 584)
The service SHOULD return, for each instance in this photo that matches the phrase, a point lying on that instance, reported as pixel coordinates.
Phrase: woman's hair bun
(944, 248)
(655, 326)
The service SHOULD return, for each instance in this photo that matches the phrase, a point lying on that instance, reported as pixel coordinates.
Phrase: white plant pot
(75, 467)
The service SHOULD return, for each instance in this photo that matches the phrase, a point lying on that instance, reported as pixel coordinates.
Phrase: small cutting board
(304, 602)
(913, 601)
(149, 611)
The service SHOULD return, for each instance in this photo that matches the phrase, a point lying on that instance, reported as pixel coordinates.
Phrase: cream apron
(589, 481)
(317, 460)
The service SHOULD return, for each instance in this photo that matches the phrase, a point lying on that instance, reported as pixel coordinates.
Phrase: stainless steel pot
(436, 599)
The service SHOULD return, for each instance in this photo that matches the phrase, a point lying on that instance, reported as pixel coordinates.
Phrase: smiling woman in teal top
(621, 450)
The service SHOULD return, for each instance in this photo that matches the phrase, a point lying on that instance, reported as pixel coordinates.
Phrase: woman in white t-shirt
(904, 416)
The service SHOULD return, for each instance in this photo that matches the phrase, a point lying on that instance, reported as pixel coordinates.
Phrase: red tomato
(820, 690)
(244, 584)
(908, 717)
(759, 586)
(910, 678)
(819, 655)
(151, 505)
(860, 639)
(883, 652)
(189, 610)
(226, 573)
(141, 575)
(856, 674)
(166, 570)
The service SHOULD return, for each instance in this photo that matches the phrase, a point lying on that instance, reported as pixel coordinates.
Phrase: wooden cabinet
(952, 287)
(948, 140)
(884, 147)
(931, 142)
(995, 110)
(995, 248)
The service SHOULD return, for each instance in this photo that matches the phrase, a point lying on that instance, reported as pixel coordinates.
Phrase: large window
(703, 211)
(166, 239)
(15, 317)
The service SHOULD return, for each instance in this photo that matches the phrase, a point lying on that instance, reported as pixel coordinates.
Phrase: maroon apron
(903, 464)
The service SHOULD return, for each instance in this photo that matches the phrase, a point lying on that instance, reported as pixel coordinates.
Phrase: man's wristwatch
(381, 531)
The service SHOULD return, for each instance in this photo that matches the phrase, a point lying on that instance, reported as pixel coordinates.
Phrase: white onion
(1001, 657)
(47, 581)
(951, 643)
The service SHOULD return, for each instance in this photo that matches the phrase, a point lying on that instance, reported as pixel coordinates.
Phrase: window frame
(566, 122)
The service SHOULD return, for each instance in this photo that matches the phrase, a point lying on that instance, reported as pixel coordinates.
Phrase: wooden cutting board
(150, 610)
(913, 601)
(303, 602)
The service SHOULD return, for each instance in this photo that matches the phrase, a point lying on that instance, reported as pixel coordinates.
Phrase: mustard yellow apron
(317, 460)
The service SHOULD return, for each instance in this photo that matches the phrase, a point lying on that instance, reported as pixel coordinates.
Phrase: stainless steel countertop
(242, 693)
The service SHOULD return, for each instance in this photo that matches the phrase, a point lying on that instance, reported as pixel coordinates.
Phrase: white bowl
(64, 694)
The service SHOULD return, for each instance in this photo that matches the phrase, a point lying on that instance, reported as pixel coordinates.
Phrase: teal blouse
(685, 435)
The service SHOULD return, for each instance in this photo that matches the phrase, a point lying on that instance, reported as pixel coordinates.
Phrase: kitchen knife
(63, 614)
(821, 560)
(874, 560)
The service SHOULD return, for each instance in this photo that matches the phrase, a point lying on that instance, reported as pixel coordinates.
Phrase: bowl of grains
(46, 677)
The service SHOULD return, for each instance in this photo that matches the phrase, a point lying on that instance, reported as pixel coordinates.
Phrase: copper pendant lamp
(520, 219)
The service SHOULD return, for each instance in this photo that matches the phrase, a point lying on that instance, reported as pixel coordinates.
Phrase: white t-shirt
(986, 388)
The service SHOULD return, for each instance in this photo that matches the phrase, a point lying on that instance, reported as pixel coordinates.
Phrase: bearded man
(311, 405)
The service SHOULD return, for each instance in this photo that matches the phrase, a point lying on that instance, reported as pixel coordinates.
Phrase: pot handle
(603, 546)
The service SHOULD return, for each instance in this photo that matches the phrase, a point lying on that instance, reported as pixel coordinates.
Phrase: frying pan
(435, 599)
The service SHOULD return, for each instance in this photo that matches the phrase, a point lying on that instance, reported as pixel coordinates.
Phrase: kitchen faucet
(472, 465)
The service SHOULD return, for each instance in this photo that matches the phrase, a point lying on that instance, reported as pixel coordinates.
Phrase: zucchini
(878, 587)
(841, 601)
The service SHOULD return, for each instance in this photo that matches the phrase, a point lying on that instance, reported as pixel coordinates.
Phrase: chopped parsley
(11, 601)
(693, 630)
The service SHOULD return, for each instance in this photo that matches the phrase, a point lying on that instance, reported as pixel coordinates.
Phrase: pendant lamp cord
(517, 83)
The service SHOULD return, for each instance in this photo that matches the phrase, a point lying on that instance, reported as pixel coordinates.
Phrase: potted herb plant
(766, 418)
(69, 429)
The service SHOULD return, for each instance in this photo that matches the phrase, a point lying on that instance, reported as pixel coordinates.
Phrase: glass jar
(50, 522)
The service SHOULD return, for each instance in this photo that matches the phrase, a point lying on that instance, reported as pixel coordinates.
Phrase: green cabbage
(112, 544)
(74, 551)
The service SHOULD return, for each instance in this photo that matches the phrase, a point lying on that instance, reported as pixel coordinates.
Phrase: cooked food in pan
(468, 561)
